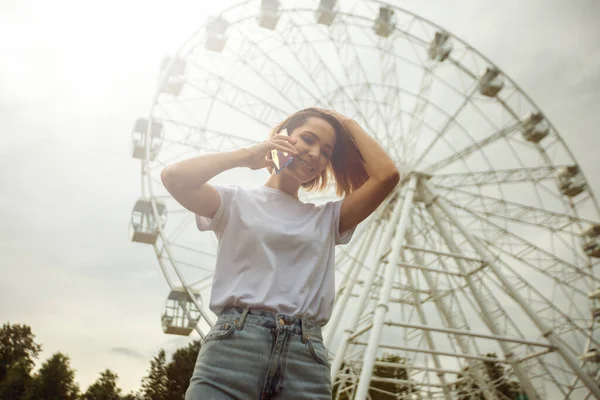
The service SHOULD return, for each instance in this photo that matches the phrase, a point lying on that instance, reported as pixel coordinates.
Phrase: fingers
(269, 161)
(284, 145)
(285, 138)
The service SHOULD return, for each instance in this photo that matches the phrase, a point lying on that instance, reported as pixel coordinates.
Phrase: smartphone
(281, 158)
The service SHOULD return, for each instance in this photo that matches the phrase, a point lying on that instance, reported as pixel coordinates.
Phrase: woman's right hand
(258, 156)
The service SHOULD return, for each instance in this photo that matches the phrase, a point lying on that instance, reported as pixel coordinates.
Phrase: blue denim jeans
(261, 355)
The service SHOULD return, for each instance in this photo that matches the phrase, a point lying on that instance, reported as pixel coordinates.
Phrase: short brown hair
(347, 166)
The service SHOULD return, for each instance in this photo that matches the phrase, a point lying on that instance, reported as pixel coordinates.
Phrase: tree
(390, 390)
(380, 390)
(18, 350)
(105, 388)
(345, 394)
(154, 386)
(55, 380)
(16, 384)
(180, 369)
(505, 386)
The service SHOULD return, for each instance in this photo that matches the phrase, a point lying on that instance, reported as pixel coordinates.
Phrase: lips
(301, 161)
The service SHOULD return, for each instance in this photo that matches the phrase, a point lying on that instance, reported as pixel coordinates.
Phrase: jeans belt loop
(240, 321)
(303, 332)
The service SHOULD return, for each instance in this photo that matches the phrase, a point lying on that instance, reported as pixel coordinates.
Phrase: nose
(314, 152)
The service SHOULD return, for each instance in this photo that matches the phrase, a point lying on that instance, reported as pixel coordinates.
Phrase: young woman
(273, 287)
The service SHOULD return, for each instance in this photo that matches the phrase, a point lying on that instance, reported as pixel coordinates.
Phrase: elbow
(390, 175)
(393, 178)
(166, 177)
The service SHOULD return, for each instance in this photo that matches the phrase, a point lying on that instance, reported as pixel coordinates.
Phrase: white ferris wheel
(490, 244)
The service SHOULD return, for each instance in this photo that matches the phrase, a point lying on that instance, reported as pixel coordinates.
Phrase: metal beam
(544, 329)
(469, 333)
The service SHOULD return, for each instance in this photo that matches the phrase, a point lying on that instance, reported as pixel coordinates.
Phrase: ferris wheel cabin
(595, 295)
(144, 225)
(216, 34)
(490, 82)
(440, 47)
(591, 246)
(181, 315)
(174, 75)
(325, 14)
(385, 23)
(570, 181)
(269, 14)
(535, 127)
(139, 136)
(593, 355)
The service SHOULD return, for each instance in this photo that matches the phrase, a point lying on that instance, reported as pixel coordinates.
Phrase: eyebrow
(316, 137)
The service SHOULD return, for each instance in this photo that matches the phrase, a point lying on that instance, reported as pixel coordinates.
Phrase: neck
(288, 186)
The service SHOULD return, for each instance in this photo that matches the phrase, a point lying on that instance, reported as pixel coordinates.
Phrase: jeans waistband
(271, 320)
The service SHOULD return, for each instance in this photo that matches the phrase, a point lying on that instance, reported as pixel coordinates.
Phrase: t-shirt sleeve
(218, 222)
(344, 237)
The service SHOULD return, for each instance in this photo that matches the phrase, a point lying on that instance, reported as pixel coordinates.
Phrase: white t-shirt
(275, 252)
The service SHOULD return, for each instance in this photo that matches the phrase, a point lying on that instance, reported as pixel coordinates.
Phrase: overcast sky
(74, 76)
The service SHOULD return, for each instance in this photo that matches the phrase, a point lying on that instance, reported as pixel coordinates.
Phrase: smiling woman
(276, 259)
(332, 150)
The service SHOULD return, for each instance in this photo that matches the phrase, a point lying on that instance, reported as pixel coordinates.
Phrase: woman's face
(315, 142)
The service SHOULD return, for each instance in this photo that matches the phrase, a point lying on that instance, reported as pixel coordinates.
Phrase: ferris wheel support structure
(489, 261)
(382, 308)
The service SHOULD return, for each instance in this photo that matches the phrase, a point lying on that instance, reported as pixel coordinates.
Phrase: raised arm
(383, 177)
(186, 180)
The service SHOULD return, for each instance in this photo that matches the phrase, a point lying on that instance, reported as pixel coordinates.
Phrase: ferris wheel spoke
(546, 307)
(519, 214)
(202, 283)
(241, 100)
(448, 123)
(192, 138)
(478, 146)
(568, 359)
(572, 244)
(418, 112)
(193, 266)
(193, 250)
(545, 260)
(306, 53)
(549, 307)
(508, 254)
(511, 210)
(423, 104)
(495, 177)
(265, 66)
(354, 71)
(518, 337)
(209, 135)
(389, 74)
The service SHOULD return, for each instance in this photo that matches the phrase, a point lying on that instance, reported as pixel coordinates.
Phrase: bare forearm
(195, 172)
(379, 165)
